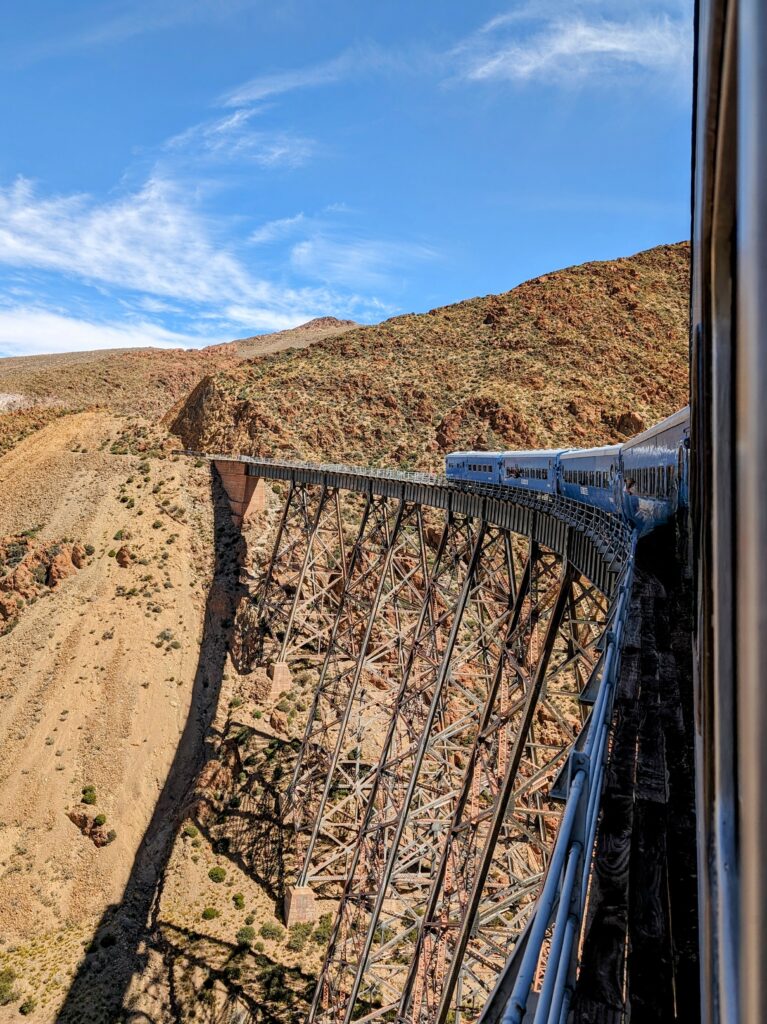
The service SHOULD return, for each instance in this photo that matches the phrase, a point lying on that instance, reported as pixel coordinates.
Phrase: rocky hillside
(34, 390)
(584, 355)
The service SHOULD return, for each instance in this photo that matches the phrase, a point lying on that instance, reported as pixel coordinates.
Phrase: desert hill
(584, 355)
(34, 390)
(120, 707)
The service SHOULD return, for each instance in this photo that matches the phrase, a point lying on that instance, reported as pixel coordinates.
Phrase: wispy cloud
(232, 138)
(261, 86)
(277, 230)
(127, 20)
(581, 45)
(153, 254)
(149, 241)
(360, 263)
(355, 62)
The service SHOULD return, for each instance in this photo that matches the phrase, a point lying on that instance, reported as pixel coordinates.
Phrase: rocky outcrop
(30, 569)
(99, 835)
(123, 557)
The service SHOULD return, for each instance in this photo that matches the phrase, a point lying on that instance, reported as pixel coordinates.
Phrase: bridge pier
(246, 494)
(299, 906)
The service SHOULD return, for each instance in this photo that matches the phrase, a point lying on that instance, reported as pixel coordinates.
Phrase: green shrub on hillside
(271, 930)
(245, 936)
(299, 936)
(7, 991)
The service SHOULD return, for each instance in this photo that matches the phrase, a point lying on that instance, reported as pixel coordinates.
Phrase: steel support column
(416, 705)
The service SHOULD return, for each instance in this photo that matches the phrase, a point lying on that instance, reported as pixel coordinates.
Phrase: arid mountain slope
(580, 356)
(319, 329)
(105, 564)
(144, 382)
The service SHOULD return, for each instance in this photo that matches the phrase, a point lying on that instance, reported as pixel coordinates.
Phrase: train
(645, 480)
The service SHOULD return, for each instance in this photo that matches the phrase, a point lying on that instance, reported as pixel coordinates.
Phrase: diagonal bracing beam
(497, 848)
(414, 854)
(417, 704)
(387, 529)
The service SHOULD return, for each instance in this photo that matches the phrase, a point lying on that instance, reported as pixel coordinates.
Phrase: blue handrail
(565, 889)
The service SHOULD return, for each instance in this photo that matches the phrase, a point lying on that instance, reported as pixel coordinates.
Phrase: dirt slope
(34, 390)
(584, 355)
(95, 681)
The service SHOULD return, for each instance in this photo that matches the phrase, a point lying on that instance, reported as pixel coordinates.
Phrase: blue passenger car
(592, 475)
(534, 470)
(655, 472)
(475, 467)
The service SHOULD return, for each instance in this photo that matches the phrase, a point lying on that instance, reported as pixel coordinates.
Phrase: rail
(549, 945)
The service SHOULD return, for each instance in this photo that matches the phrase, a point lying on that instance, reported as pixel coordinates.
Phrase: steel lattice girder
(447, 702)
(504, 823)
(488, 610)
(413, 710)
(296, 603)
(381, 603)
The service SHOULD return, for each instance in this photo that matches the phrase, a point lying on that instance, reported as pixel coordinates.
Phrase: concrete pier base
(282, 680)
(300, 905)
(246, 494)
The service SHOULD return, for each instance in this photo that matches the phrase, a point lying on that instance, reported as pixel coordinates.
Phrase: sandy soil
(96, 681)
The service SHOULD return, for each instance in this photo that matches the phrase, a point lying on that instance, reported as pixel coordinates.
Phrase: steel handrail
(606, 529)
(565, 887)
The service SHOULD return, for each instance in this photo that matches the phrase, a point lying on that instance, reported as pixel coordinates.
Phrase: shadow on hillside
(250, 836)
(224, 985)
(122, 941)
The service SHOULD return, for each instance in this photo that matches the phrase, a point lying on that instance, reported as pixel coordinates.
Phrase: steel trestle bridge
(444, 799)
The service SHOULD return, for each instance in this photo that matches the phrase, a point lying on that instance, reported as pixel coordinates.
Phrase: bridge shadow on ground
(122, 941)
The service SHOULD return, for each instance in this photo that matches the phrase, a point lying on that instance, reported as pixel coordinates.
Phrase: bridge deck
(595, 542)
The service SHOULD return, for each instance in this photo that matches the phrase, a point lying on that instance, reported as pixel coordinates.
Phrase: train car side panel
(592, 475)
(654, 466)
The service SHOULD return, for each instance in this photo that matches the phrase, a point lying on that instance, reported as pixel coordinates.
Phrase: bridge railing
(608, 531)
(548, 948)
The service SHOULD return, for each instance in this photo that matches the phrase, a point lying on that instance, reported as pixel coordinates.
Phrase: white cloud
(166, 266)
(359, 60)
(276, 230)
(522, 46)
(30, 331)
(261, 86)
(361, 263)
(149, 241)
(231, 138)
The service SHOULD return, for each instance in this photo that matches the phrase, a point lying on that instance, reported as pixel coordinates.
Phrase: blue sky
(184, 172)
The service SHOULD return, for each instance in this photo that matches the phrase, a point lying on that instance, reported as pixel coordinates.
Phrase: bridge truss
(460, 635)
